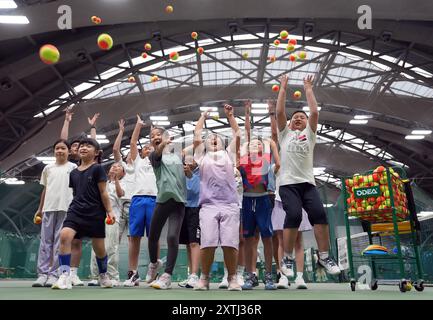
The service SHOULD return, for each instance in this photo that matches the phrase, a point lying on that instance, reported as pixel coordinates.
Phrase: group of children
(213, 193)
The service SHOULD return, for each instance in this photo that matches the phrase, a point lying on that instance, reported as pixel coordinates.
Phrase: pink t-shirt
(217, 179)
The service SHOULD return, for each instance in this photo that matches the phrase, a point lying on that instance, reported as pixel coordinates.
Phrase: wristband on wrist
(93, 127)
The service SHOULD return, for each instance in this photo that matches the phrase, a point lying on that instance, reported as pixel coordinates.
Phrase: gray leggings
(174, 212)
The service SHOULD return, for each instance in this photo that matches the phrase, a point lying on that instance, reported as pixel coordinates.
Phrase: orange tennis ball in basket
(200, 50)
(194, 35)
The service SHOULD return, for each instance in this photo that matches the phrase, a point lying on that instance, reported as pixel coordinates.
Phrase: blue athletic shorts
(257, 212)
(140, 215)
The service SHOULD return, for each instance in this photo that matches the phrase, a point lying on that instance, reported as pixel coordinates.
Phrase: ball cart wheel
(352, 285)
(403, 286)
(374, 285)
(419, 285)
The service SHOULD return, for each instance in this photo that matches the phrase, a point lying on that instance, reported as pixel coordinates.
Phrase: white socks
(73, 271)
(299, 275)
(323, 255)
(289, 255)
(240, 269)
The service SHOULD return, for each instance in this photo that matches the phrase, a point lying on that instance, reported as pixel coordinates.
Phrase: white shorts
(219, 225)
(279, 215)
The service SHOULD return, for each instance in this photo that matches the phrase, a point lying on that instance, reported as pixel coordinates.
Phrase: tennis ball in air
(284, 34)
(49, 54)
(105, 42)
(297, 94)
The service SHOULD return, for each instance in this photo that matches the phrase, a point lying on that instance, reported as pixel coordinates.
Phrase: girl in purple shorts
(219, 213)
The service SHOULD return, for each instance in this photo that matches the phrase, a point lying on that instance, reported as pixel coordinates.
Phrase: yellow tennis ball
(49, 54)
(105, 42)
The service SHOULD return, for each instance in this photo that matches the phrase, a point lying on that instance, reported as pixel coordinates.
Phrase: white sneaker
(330, 266)
(224, 284)
(152, 271)
(202, 284)
(283, 283)
(240, 276)
(51, 280)
(115, 283)
(93, 283)
(163, 282)
(192, 281)
(75, 280)
(300, 283)
(133, 279)
(40, 281)
(63, 283)
(104, 281)
(183, 283)
(286, 266)
(233, 284)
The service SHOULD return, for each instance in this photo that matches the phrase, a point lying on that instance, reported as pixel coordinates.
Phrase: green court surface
(22, 290)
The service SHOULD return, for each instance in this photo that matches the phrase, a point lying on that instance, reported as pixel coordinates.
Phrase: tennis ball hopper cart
(382, 199)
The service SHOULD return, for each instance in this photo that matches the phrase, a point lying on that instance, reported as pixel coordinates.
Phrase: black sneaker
(133, 279)
(255, 280)
(248, 281)
(269, 282)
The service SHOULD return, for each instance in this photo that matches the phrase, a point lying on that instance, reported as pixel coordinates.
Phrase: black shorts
(190, 231)
(301, 195)
(86, 227)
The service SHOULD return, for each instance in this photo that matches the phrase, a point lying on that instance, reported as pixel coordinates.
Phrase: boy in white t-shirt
(142, 206)
(55, 200)
(297, 185)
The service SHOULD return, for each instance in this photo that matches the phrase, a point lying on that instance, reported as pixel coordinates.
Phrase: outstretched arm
(236, 141)
(275, 155)
(312, 103)
(274, 132)
(134, 138)
(199, 129)
(118, 142)
(247, 121)
(92, 123)
(64, 134)
(281, 104)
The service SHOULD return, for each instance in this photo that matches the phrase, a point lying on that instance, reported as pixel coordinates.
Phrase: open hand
(308, 82)
(92, 121)
(121, 123)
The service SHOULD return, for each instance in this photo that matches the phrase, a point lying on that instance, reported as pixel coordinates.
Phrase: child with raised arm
(297, 186)
(219, 213)
(170, 203)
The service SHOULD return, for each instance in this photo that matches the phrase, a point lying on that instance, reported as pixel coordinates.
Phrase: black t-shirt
(87, 198)
(75, 161)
